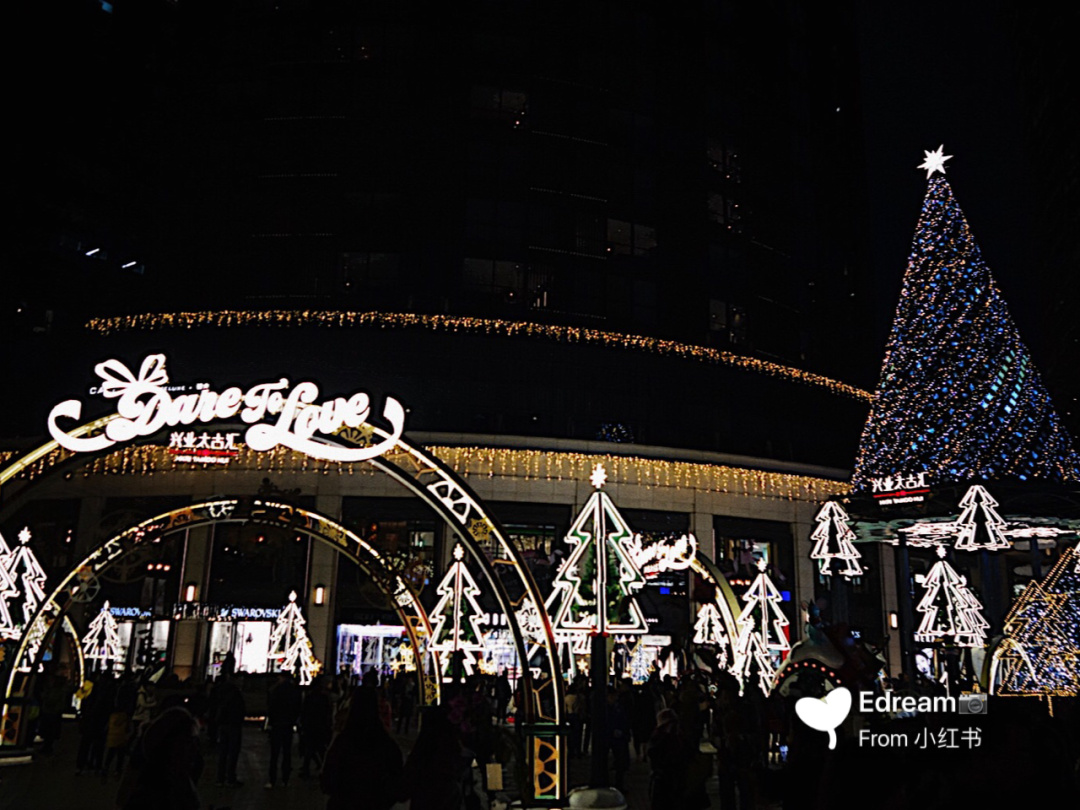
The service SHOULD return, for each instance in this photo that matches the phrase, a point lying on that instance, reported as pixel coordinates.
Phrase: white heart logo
(825, 714)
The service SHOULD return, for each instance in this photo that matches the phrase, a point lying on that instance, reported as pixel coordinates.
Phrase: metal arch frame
(413, 616)
(455, 502)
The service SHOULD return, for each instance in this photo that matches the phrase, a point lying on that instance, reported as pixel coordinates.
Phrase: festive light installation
(959, 395)
(102, 640)
(709, 630)
(25, 568)
(762, 643)
(980, 527)
(1040, 654)
(468, 326)
(290, 646)
(950, 611)
(458, 629)
(9, 589)
(834, 546)
(597, 581)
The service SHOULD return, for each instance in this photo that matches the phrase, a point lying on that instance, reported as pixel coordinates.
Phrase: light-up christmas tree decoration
(834, 546)
(709, 631)
(1040, 654)
(9, 589)
(762, 643)
(29, 574)
(290, 646)
(951, 613)
(458, 630)
(597, 581)
(102, 641)
(959, 396)
(980, 527)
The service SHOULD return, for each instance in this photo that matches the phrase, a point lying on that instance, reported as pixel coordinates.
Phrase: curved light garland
(468, 326)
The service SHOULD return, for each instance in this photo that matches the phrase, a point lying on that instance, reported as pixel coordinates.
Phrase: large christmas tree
(1040, 654)
(597, 581)
(959, 396)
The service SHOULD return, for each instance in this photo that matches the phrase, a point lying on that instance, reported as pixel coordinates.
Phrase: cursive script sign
(279, 413)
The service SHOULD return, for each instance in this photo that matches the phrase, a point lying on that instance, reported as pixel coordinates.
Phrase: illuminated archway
(445, 492)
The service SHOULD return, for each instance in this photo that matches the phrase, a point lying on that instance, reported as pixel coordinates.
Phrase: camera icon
(973, 704)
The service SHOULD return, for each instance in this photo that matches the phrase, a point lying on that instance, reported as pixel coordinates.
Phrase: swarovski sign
(279, 413)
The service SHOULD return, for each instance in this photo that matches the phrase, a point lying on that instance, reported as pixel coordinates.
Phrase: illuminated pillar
(322, 572)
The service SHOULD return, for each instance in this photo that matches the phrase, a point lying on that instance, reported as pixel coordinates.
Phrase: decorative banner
(102, 640)
(597, 581)
(762, 643)
(145, 406)
(290, 646)
(834, 540)
(459, 627)
(661, 555)
(950, 611)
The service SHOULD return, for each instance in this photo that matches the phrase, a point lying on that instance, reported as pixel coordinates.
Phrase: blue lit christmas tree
(959, 396)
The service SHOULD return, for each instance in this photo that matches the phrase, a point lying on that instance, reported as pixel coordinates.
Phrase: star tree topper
(935, 161)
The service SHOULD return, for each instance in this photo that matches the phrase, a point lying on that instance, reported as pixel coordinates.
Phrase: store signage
(894, 489)
(129, 612)
(280, 414)
(225, 613)
(205, 447)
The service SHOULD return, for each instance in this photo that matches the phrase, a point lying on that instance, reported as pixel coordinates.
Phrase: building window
(369, 270)
(723, 160)
(724, 211)
(629, 238)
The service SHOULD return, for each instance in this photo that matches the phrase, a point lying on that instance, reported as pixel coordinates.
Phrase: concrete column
(322, 570)
(701, 524)
(805, 569)
(88, 525)
(890, 604)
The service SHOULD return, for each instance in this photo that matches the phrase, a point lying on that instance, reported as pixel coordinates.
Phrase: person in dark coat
(363, 766)
(282, 714)
(166, 765)
(230, 722)
(667, 756)
(435, 770)
(316, 725)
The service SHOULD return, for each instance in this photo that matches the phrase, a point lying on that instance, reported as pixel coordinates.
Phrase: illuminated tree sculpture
(834, 546)
(951, 613)
(709, 631)
(597, 581)
(26, 569)
(980, 526)
(9, 589)
(458, 630)
(102, 641)
(959, 396)
(1040, 654)
(762, 643)
(290, 645)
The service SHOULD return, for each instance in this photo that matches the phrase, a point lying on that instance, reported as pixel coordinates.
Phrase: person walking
(363, 767)
(230, 722)
(435, 770)
(166, 766)
(316, 725)
(282, 713)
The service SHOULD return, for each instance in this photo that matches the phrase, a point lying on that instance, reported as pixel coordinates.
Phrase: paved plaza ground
(50, 783)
